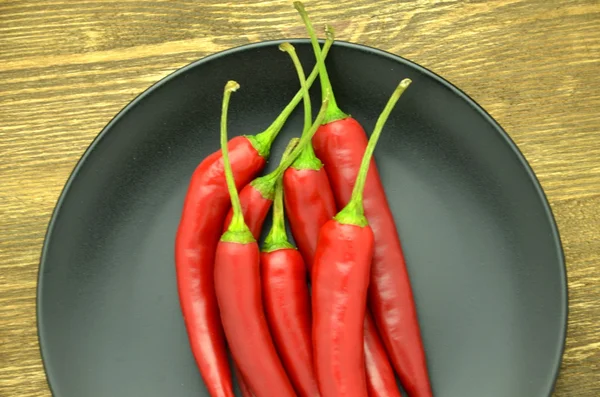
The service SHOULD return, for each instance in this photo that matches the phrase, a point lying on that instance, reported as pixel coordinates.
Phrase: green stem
(289, 149)
(287, 47)
(266, 184)
(305, 140)
(333, 111)
(238, 231)
(307, 158)
(354, 212)
(277, 238)
(262, 142)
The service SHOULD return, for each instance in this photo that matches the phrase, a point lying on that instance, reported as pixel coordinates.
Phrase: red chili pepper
(310, 204)
(237, 287)
(238, 291)
(283, 272)
(287, 302)
(340, 280)
(340, 143)
(195, 246)
(257, 196)
(285, 293)
(309, 200)
(381, 380)
(197, 238)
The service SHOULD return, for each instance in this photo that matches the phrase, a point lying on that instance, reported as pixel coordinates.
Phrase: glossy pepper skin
(340, 278)
(309, 203)
(237, 282)
(381, 380)
(331, 141)
(238, 291)
(285, 292)
(255, 207)
(309, 214)
(287, 304)
(204, 209)
(340, 144)
(256, 197)
(342, 268)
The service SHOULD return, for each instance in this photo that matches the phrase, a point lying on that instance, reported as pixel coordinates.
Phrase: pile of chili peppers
(334, 317)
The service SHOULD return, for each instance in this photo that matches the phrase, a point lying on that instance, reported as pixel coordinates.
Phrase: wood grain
(66, 67)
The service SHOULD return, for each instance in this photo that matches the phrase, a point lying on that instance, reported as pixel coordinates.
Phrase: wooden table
(66, 67)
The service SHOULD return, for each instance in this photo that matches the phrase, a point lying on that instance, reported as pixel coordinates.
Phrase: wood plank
(69, 66)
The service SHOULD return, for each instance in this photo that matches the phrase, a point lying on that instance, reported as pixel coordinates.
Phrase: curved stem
(289, 149)
(287, 47)
(309, 131)
(262, 142)
(353, 212)
(266, 184)
(359, 186)
(333, 112)
(307, 158)
(305, 140)
(237, 231)
(277, 238)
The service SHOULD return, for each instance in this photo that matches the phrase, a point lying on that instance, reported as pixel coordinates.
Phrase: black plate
(482, 248)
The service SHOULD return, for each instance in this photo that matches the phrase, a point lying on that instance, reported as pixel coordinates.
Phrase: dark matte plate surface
(482, 248)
